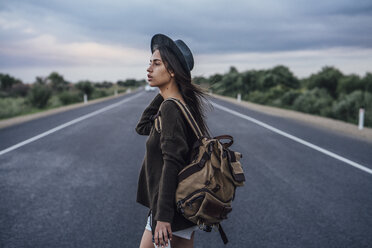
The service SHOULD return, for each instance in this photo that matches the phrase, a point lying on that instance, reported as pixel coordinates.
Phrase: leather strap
(223, 234)
(232, 156)
(193, 169)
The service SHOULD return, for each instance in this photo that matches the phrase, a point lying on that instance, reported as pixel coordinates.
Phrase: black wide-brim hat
(178, 47)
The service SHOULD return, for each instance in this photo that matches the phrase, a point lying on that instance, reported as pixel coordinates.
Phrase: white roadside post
(129, 90)
(116, 93)
(85, 98)
(361, 118)
(239, 98)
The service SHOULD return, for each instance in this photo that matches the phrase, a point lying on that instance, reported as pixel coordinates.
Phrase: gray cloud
(209, 26)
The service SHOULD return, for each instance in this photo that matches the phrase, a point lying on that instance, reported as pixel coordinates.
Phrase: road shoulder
(29, 117)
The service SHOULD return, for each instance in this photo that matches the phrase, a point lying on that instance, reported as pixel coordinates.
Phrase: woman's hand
(163, 233)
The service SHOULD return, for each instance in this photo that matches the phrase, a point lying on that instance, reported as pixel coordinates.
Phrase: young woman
(168, 149)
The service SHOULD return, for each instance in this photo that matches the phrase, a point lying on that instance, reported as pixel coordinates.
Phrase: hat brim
(163, 40)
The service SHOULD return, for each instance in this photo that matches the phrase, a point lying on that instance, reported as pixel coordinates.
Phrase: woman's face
(158, 74)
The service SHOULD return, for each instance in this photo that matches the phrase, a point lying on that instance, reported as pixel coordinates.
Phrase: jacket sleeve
(174, 146)
(145, 123)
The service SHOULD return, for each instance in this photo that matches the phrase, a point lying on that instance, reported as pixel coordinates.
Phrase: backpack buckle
(179, 207)
(204, 227)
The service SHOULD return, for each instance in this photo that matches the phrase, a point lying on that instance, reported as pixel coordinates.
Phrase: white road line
(68, 124)
(315, 147)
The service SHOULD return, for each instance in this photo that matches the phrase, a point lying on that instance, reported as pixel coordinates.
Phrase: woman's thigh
(146, 241)
(178, 242)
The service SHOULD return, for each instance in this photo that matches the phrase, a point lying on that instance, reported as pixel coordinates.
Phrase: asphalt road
(76, 186)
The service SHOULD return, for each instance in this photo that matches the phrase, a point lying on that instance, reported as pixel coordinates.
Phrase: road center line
(68, 124)
(301, 141)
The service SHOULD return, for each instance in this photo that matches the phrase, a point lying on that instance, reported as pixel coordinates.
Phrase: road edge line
(301, 141)
(81, 118)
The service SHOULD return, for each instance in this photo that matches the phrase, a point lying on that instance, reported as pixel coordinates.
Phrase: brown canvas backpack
(206, 186)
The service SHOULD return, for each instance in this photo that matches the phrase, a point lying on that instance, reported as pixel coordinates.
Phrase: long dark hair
(194, 96)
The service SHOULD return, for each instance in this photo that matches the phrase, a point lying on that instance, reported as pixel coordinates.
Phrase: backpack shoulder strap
(190, 119)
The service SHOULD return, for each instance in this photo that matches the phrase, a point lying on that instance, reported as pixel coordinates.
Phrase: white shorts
(185, 233)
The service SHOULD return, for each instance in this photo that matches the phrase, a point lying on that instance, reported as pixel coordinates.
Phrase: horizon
(193, 76)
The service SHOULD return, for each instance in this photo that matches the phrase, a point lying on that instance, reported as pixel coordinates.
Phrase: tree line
(52, 91)
(327, 93)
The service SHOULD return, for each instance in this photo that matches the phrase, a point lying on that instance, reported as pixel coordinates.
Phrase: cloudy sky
(110, 40)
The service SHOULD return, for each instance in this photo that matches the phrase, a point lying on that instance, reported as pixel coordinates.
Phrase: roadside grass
(18, 106)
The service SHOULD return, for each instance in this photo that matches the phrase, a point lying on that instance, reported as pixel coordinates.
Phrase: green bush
(86, 87)
(348, 84)
(367, 82)
(19, 89)
(131, 83)
(327, 78)
(266, 97)
(39, 95)
(230, 85)
(275, 93)
(11, 106)
(4, 94)
(315, 101)
(99, 93)
(54, 102)
(57, 82)
(347, 108)
(121, 90)
(104, 84)
(285, 77)
(288, 98)
(255, 96)
(68, 97)
(219, 88)
(214, 79)
(6, 81)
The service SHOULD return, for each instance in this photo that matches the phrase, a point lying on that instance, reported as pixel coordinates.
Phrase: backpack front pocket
(212, 210)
